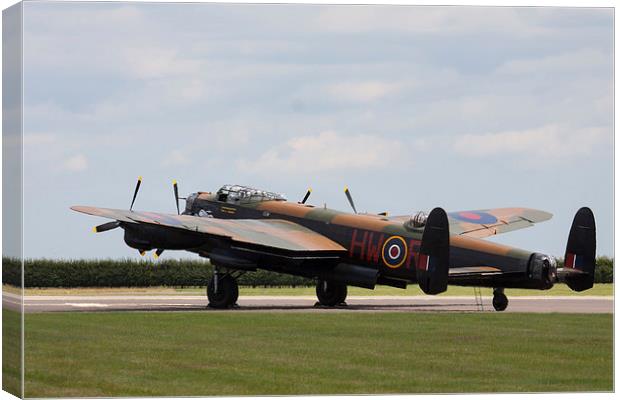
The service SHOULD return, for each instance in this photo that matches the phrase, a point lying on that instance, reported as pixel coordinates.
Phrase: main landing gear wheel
(225, 293)
(500, 301)
(331, 294)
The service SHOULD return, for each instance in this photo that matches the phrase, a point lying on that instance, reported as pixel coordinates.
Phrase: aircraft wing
(483, 223)
(275, 235)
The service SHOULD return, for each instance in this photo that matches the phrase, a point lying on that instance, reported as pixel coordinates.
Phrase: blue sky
(411, 107)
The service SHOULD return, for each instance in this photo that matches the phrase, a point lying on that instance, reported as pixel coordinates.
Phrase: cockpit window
(236, 194)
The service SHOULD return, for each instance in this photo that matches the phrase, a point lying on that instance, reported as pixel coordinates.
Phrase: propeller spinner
(115, 224)
(107, 226)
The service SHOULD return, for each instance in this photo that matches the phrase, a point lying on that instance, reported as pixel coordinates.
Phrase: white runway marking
(537, 304)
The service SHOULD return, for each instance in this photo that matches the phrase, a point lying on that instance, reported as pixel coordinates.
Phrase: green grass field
(11, 352)
(236, 353)
(601, 289)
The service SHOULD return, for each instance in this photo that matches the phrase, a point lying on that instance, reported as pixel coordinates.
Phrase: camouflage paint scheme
(307, 240)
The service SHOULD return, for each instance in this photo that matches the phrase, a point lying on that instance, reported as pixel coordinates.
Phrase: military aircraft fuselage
(390, 246)
(241, 229)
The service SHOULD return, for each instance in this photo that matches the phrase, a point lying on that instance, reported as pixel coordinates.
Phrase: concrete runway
(537, 304)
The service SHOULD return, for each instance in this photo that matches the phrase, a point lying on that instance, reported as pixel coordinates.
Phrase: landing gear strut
(331, 294)
(222, 290)
(500, 301)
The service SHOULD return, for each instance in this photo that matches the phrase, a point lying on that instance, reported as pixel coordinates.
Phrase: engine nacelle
(543, 270)
(146, 237)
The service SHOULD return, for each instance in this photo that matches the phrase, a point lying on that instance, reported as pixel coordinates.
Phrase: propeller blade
(176, 196)
(142, 252)
(383, 214)
(107, 226)
(158, 253)
(348, 193)
(306, 196)
(135, 193)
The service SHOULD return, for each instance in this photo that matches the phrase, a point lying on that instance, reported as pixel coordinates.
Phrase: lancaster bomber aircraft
(243, 229)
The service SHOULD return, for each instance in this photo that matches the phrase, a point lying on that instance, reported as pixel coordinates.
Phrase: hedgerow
(178, 273)
(129, 273)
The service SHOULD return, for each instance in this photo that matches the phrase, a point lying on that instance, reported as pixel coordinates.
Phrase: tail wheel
(330, 294)
(500, 301)
(226, 293)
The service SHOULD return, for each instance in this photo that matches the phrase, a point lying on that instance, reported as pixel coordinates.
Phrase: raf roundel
(476, 217)
(394, 252)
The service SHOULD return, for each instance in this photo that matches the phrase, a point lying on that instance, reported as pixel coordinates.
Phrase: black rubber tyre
(227, 292)
(330, 294)
(500, 301)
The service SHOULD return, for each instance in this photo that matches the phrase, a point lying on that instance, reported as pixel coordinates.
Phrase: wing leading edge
(271, 233)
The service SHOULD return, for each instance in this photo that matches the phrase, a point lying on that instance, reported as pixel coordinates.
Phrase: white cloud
(361, 91)
(176, 158)
(39, 139)
(158, 62)
(440, 20)
(579, 60)
(549, 142)
(136, 48)
(76, 163)
(328, 151)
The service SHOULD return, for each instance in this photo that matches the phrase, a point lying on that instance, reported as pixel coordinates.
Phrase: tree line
(177, 273)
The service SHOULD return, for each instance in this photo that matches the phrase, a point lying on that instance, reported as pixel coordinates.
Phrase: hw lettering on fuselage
(243, 229)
